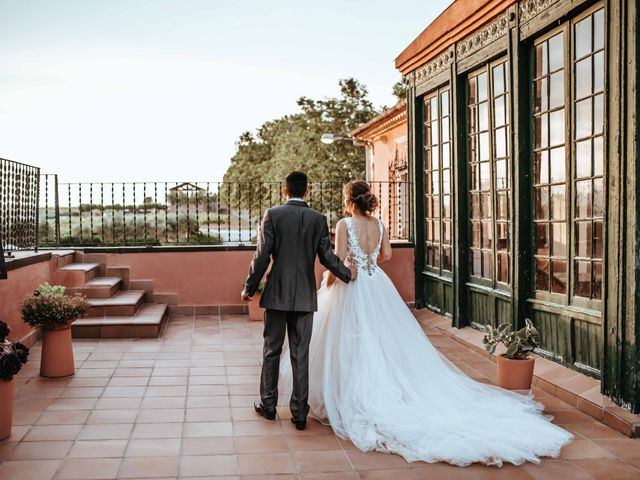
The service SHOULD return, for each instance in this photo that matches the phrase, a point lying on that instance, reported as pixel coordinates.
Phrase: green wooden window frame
(438, 185)
(569, 167)
(489, 158)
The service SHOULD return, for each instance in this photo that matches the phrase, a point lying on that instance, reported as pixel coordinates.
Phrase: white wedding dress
(376, 378)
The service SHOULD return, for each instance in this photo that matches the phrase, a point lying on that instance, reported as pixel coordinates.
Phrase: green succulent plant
(519, 343)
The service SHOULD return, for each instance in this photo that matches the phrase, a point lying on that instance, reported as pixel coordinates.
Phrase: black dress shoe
(266, 413)
(300, 424)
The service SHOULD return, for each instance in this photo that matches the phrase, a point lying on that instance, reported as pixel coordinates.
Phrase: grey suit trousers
(298, 326)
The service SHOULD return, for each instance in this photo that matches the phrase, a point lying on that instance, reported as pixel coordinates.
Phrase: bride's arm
(341, 248)
(385, 248)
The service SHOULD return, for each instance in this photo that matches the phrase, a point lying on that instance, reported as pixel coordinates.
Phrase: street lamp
(329, 138)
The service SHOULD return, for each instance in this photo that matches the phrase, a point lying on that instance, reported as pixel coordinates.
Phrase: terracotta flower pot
(515, 374)
(6, 407)
(57, 352)
(255, 311)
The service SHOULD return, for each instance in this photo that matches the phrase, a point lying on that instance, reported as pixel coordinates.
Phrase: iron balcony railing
(18, 205)
(186, 213)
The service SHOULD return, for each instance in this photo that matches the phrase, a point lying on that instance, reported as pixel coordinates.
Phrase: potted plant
(54, 311)
(13, 355)
(256, 312)
(515, 365)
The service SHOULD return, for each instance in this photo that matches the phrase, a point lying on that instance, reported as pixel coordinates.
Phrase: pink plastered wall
(215, 277)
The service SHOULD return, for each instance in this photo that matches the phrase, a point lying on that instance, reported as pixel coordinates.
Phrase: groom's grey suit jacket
(292, 235)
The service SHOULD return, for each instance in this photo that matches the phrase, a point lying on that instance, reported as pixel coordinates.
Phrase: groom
(291, 235)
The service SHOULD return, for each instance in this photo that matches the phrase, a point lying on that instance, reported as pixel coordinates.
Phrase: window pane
(503, 268)
(487, 265)
(598, 72)
(502, 240)
(487, 235)
(559, 239)
(542, 274)
(501, 174)
(542, 64)
(598, 152)
(499, 112)
(582, 284)
(542, 239)
(558, 202)
(500, 143)
(598, 198)
(482, 87)
(556, 94)
(483, 116)
(444, 103)
(583, 37)
(598, 114)
(583, 199)
(559, 276)
(485, 205)
(446, 258)
(446, 155)
(498, 79)
(542, 203)
(473, 98)
(484, 146)
(583, 78)
(558, 165)
(597, 280)
(583, 239)
(541, 98)
(503, 206)
(476, 263)
(583, 118)
(557, 126)
(556, 52)
(542, 167)
(475, 235)
(583, 159)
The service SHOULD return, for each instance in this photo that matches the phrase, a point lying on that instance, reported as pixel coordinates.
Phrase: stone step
(99, 287)
(122, 304)
(76, 274)
(63, 257)
(144, 284)
(146, 323)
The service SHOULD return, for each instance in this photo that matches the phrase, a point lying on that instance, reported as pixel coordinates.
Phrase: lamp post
(329, 138)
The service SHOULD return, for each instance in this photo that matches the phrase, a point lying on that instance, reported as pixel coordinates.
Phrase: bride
(376, 378)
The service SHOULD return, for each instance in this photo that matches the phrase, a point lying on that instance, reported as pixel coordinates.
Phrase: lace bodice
(365, 263)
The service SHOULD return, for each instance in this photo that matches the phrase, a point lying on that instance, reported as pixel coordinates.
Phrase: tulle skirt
(379, 382)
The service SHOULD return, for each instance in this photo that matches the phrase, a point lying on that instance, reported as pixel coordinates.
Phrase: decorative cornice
(532, 8)
(482, 37)
(432, 68)
(387, 120)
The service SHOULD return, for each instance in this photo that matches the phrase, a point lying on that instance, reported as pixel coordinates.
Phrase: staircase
(120, 307)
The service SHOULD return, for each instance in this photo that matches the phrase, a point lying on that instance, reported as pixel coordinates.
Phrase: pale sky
(159, 90)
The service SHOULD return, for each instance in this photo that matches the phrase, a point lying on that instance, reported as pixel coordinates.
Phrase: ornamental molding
(484, 36)
(432, 68)
(529, 9)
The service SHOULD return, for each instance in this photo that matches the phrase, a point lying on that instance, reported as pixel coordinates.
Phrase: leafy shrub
(49, 306)
(519, 343)
(13, 355)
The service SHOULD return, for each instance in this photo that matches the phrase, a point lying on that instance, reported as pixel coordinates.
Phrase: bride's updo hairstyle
(358, 196)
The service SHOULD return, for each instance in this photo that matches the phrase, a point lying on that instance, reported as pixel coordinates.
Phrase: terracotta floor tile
(609, 469)
(113, 416)
(98, 449)
(116, 403)
(329, 476)
(208, 429)
(32, 404)
(163, 402)
(167, 381)
(169, 447)
(620, 447)
(208, 402)
(48, 450)
(149, 467)
(63, 417)
(207, 380)
(261, 444)
(556, 469)
(157, 430)
(199, 466)
(221, 414)
(336, 461)
(123, 392)
(375, 460)
(81, 392)
(581, 449)
(395, 474)
(52, 432)
(570, 417)
(256, 427)
(265, 463)
(208, 446)
(89, 469)
(26, 417)
(73, 404)
(593, 431)
(117, 431)
(6, 448)
(161, 415)
(312, 443)
(29, 469)
(128, 382)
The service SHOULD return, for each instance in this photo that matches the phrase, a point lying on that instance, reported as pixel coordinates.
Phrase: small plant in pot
(54, 311)
(13, 355)
(515, 365)
(256, 312)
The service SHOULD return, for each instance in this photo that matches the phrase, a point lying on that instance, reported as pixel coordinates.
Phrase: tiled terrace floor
(181, 407)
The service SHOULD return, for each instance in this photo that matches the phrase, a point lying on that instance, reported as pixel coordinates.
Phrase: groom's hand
(354, 273)
(244, 296)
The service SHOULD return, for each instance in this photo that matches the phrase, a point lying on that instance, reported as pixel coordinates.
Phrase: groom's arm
(328, 258)
(262, 257)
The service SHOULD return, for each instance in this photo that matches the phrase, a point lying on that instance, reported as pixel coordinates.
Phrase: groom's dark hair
(296, 183)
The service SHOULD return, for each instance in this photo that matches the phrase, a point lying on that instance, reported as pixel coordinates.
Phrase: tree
(400, 89)
(292, 142)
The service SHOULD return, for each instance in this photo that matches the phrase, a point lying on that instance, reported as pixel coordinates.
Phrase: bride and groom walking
(362, 363)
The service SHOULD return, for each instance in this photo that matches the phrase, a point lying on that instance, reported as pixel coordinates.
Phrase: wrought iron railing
(186, 213)
(18, 205)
